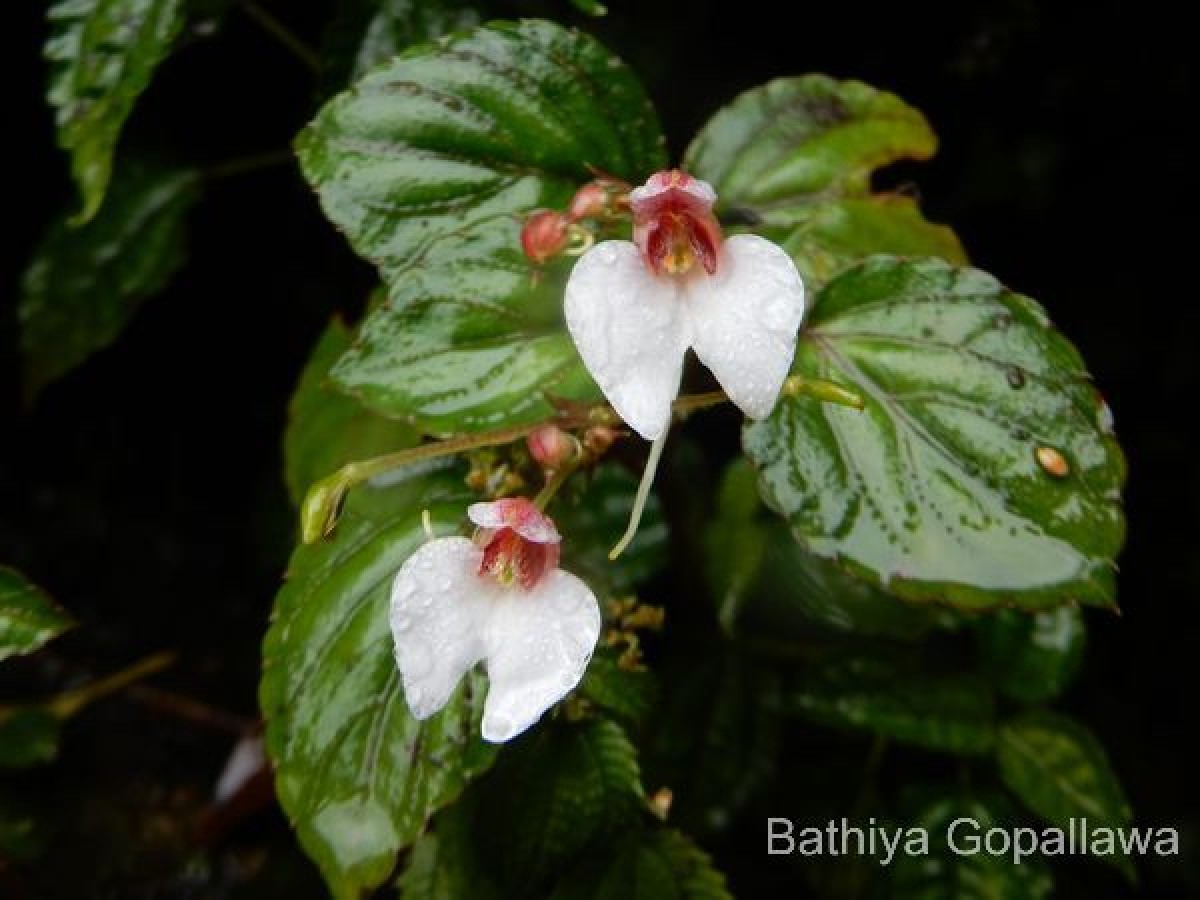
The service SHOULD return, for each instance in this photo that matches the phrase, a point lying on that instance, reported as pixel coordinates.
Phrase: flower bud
(589, 202)
(544, 235)
(552, 447)
(598, 438)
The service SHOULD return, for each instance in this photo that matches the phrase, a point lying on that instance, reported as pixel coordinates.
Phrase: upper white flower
(500, 598)
(634, 307)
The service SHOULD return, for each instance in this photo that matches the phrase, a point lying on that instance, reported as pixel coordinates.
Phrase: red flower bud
(552, 447)
(544, 235)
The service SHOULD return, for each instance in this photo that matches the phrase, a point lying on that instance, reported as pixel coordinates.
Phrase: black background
(144, 491)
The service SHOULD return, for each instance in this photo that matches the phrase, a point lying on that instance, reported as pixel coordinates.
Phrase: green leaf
(944, 874)
(326, 429)
(715, 736)
(553, 794)
(1032, 658)
(102, 54)
(648, 864)
(29, 736)
(764, 583)
(935, 491)
(1059, 770)
(794, 159)
(368, 33)
(594, 522)
(941, 711)
(627, 694)
(84, 284)
(356, 774)
(28, 618)
(428, 166)
(444, 864)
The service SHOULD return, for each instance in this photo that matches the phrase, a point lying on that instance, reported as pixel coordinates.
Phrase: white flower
(500, 598)
(634, 307)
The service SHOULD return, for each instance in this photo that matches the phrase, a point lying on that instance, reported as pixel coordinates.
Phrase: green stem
(67, 704)
(244, 165)
(555, 481)
(283, 34)
(825, 391)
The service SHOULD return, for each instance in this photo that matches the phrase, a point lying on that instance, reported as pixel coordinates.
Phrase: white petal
(538, 646)
(517, 513)
(630, 329)
(744, 320)
(438, 611)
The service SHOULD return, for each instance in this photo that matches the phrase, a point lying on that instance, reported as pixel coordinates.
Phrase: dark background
(143, 491)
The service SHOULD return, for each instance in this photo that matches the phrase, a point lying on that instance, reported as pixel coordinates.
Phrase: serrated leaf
(29, 736)
(627, 694)
(28, 618)
(326, 429)
(102, 54)
(595, 521)
(367, 33)
(1032, 658)
(941, 711)
(941, 489)
(84, 284)
(1061, 772)
(356, 774)
(648, 864)
(714, 739)
(444, 864)
(794, 159)
(428, 166)
(764, 583)
(552, 795)
(944, 874)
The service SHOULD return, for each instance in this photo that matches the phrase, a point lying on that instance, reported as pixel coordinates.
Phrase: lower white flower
(634, 307)
(500, 598)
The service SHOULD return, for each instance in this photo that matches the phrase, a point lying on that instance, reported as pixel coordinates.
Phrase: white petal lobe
(538, 647)
(744, 320)
(631, 331)
(439, 607)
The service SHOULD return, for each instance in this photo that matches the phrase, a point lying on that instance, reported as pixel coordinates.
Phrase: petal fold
(538, 645)
(631, 331)
(438, 612)
(744, 320)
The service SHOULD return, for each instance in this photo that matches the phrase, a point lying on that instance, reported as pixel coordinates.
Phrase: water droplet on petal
(418, 660)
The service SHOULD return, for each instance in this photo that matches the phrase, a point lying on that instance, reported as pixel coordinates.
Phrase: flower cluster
(633, 309)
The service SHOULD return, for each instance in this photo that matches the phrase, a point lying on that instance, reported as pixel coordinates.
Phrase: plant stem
(283, 34)
(68, 703)
(244, 165)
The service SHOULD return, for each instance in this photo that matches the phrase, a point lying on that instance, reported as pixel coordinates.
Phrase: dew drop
(1016, 378)
(418, 660)
(1052, 462)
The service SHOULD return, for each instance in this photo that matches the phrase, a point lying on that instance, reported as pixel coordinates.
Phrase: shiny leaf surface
(326, 429)
(84, 284)
(28, 618)
(982, 472)
(355, 773)
(102, 55)
(1032, 658)
(793, 158)
(765, 583)
(428, 166)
